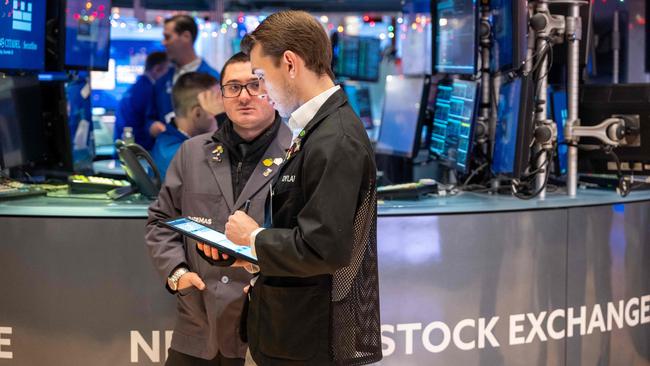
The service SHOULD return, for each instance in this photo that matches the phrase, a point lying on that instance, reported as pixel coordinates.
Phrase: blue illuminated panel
(22, 34)
(453, 121)
(505, 145)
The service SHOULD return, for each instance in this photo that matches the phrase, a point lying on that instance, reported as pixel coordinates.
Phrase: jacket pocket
(293, 321)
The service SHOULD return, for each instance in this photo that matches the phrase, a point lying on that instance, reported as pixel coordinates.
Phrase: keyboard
(90, 184)
(10, 189)
(407, 191)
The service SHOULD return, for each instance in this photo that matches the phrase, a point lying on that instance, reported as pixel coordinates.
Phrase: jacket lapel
(258, 179)
(220, 170)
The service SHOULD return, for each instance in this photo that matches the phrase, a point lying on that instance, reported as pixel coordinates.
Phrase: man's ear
(290, 60)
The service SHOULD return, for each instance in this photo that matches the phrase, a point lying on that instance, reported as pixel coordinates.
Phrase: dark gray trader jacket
(198, 184)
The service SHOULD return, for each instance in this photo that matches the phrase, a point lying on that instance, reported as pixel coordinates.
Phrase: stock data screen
(452, 134)
(22, 35)
(456, 40)
(358, 58)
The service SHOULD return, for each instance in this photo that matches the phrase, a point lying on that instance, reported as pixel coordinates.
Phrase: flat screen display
(505, 145)
(22, 35)
(456, 36)
(357, 58)
(400, 122)
(87, 34)
(453, 123)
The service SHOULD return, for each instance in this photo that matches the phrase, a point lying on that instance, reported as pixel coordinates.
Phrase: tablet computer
(210, 237)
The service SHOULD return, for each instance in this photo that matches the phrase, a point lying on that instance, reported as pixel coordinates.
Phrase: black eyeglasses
(234, 90)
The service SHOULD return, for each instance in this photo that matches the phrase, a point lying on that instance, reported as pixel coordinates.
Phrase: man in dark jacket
(316, 300)
(132, 109)
(210, 177)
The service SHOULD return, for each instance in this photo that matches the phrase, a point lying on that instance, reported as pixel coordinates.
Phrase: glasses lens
(231, 90)
(253, 88)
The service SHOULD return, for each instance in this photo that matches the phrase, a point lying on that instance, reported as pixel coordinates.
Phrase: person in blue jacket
(133, 107)
(180, 33)
(190, 120)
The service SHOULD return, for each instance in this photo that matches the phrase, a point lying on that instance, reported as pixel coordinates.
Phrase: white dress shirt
(190, 67)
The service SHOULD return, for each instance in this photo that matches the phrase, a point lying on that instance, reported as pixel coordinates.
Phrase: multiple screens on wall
(30, 35)
(446, 108)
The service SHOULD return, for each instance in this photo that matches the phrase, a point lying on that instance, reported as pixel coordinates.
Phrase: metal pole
(573, 32)
(616, 47)
(540, 109)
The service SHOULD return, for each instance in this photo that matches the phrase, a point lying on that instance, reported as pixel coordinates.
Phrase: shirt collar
(301, 116)
(190, 67)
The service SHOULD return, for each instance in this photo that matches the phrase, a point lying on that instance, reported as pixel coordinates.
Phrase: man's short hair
(187, 88)
(295, 31)
(153, 59)
(239, 57)
(184, 23)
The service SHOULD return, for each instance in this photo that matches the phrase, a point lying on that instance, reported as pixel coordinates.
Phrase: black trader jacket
(316, 301)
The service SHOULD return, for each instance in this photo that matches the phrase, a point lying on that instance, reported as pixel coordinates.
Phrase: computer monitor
(509, 20)
(21, 125)
(599, 102)
(87, 34)
(126, 64)
(456, 36)
(357, 58)
(454, 115)
(359, 99)
(514, 128)
(22, 33)
(558, 102)
(403, 115)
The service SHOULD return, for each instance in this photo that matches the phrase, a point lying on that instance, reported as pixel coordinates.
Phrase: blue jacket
(167, 143)
(161, 109)
(132, 112)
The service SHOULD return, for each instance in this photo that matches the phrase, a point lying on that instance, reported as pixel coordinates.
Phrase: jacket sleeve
(164, 245)
(333, 172)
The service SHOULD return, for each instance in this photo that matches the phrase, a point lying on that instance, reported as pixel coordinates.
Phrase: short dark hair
(187, 88)
(239, 57)
(184, 23)
(295, 31)
(153, 59)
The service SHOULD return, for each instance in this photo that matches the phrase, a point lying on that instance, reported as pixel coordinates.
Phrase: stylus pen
(247, 205)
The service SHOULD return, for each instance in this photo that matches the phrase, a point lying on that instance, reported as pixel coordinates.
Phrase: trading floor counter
(471, 279)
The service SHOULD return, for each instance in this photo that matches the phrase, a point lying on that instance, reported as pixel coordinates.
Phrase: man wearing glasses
(211, 176)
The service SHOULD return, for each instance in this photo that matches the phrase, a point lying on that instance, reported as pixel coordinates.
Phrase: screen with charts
(456, 39)
(22, 35)
(401, 120)
(453, 123)
(87, 33)
(357, 58)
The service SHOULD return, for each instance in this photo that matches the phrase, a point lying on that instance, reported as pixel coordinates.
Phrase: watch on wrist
(172, 281)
